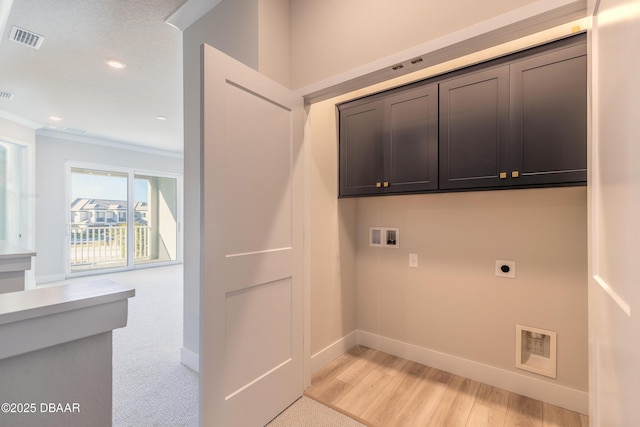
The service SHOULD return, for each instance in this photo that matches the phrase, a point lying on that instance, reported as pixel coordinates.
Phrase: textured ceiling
(67, 77)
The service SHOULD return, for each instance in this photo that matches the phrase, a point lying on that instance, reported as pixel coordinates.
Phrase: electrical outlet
(506, 269)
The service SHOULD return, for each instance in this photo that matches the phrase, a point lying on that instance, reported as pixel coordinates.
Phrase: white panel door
(251, 364)
(614, 287)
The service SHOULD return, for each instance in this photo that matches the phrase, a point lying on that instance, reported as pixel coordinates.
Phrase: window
(101, 201)
(99, 216)
(95, 243)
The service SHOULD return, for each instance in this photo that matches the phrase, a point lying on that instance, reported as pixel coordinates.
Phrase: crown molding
(190, 12)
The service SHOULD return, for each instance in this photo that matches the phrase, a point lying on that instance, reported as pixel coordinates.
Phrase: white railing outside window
(101, 246)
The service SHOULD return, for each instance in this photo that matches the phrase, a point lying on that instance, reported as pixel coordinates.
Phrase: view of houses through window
(114, 224)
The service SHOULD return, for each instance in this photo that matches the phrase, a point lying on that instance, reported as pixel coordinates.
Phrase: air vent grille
(6, 95)
(26, 38)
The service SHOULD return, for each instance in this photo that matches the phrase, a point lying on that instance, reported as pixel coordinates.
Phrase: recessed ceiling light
(55, 118)
(161, 118)
(114, 63)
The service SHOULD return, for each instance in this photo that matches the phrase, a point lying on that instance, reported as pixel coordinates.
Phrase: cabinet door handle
(386, 183)
(378, 184)
(515, 174)
(503, 175)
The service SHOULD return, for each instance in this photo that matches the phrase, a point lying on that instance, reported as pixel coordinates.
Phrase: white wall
(333, 236)
(453, 303)
(51, 189)
(274, 40)
(25, 137)
(330, 37)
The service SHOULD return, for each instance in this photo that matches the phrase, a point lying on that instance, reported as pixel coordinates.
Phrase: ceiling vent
(6, 95)
(25, 37)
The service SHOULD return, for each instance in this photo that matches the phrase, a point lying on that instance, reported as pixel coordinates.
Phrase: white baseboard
(332, 352)
(525, 385)
(190, 359)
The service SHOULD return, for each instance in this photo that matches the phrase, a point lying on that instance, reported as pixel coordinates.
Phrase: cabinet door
(361, 165)
(549, 118)
(411, 140)
(474, 130)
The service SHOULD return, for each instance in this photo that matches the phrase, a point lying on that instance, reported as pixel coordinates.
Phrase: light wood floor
(379, 389)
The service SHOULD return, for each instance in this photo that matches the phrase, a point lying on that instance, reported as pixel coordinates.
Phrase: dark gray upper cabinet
(361, 151)
(549, 118)
(513, 122)
(521, 123)
(390, 144)
(474, 129)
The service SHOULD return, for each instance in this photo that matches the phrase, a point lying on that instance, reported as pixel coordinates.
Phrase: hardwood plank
(358, 399)
(482, 415)
(330, 394)
(379, 389)
(489, 407)
(422, 403)
(329, 372)
(354, 373)
(324, 381)
(493, 397)
(456, 403)
(392, 365)
(523, 411)
(554, 416)
(389, 401)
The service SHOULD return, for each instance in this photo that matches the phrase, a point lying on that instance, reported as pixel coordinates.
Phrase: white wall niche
(388, 237)
(536, 350)
(375, 236)
(391, 237)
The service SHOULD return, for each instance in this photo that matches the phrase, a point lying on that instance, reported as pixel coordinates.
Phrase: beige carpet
(151, 388)
(306, 412)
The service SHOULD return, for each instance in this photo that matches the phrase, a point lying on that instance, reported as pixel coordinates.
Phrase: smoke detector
(25, 37)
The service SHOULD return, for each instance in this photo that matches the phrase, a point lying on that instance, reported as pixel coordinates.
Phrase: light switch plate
(509, 266)
(413, 260)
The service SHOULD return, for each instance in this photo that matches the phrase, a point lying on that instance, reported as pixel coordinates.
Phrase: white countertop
(16, 306)
(44, 317)
(9, 250)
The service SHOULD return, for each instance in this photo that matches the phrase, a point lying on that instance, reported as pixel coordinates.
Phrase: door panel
(266, 311)
(614, 229)
(251, 301)
(262, 222)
